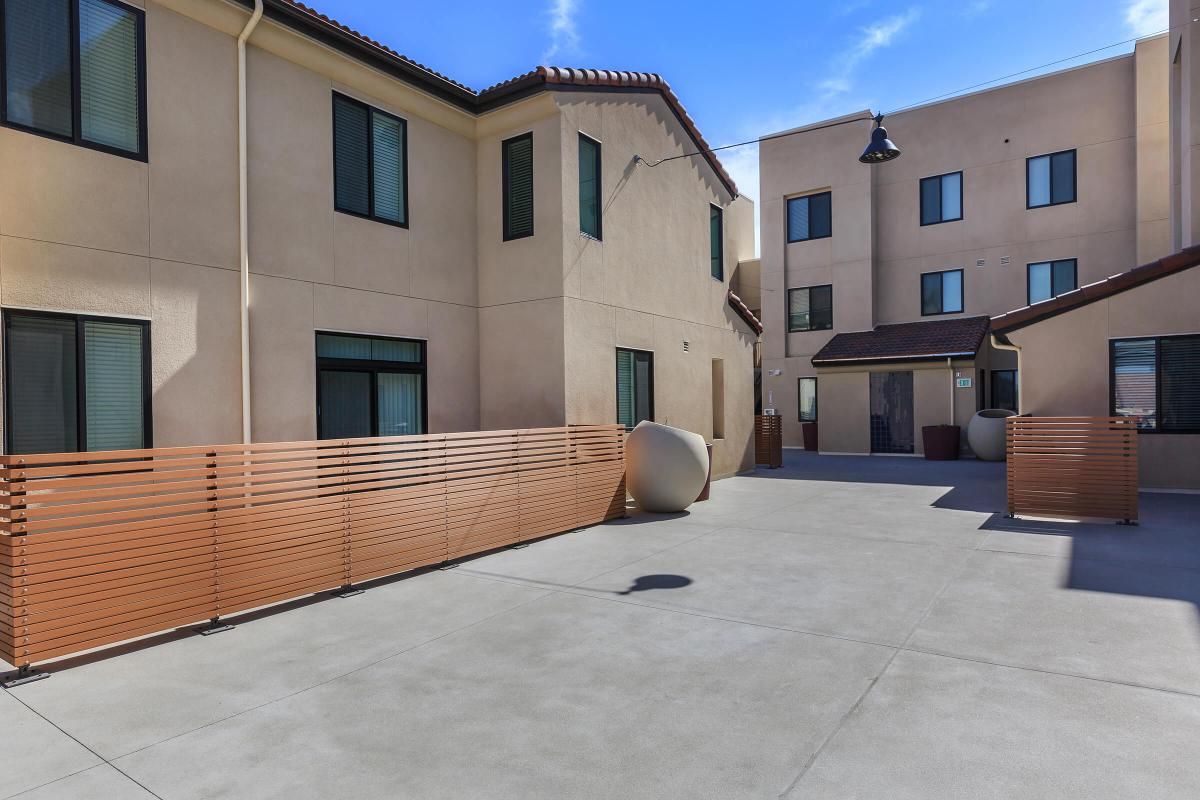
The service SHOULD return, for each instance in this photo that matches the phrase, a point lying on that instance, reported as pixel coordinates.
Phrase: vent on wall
(685, 345)
(1005, 260)
(979, 262)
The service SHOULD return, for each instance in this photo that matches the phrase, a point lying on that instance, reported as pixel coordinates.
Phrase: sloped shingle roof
(325, 29)
(1123, 281)
(906, 341)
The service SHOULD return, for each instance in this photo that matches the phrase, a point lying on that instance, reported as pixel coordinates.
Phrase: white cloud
(1145, 17)
(742, 165)
(871, 38)
(564, 38)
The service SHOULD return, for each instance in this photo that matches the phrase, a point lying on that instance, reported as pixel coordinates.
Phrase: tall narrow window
(75, 383)
(1050, 179)
(941, 198)
(369, 386)
(716, 242)
(806, 399)
(1048, 279)
(810, 217)
(516, 165)
(635, 387)
(718, 398)
(75, 70)
(589, 187)
(1004, 389)
(942, 292)
(810, 308)
(370, 162)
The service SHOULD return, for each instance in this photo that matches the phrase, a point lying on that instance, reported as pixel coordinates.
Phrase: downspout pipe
(953, 395)
(996, 343)
(243, 217)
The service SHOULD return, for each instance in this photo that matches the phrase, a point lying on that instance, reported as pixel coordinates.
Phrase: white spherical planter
(665, 467)
(985, 433)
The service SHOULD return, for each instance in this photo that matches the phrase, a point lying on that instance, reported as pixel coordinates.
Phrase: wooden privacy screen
(1073, 466)
(96, 548)
(768, 440)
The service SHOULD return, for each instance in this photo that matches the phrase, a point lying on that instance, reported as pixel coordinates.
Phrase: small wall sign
(963, 383)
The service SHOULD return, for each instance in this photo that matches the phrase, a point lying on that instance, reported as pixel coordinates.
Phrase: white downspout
(950, 366)
(243, 217)
(1020, 390)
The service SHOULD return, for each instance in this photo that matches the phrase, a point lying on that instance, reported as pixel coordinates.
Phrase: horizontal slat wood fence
(97, 548)
(768, 440)
(1073, 466)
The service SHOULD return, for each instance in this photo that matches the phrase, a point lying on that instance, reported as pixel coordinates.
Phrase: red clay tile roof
(1168, 265)
(329, 31)
(906, 341)
(743, 311)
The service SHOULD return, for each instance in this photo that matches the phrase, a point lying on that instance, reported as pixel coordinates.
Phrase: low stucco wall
(1065, 366)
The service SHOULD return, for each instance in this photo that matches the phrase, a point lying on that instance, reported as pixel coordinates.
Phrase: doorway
(892, 428)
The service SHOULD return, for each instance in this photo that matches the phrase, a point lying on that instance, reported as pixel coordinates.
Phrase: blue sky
(767, 66)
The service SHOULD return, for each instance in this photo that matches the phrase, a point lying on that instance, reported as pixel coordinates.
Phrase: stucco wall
(1065, 366)
(113, 236)
(648, 284)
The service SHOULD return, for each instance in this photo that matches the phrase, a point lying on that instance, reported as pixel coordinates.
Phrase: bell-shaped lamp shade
(881, 147)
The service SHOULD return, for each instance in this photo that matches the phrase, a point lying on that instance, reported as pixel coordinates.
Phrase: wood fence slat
(98, 548)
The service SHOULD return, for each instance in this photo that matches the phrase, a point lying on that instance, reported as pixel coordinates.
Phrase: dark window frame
(373, 367)
(941, 214)
(81, 373)
(787, 230)
(719, 275)
(1029, 278)
(599, 198)
(962, 287)
(816, 399)
(617, 378)
(76, 137)
(508, 235)
(1112, 384)
(1074, 179)
(371, 110)
(809, 289)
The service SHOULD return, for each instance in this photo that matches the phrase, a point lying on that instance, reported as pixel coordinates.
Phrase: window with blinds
(589, 187)
(370, 162)
(75, 70)
(810, 217)
(1047, 279)
(370, 386)
(716, 242)
(516, 166)
(810, 308)
(75, 383)
(1158, 381)
(635, 387)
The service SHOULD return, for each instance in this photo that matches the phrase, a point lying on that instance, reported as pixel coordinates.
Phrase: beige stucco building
(1013, 196)
(428, 217)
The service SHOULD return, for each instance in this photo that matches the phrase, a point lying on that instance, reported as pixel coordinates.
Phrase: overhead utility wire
(901, 108)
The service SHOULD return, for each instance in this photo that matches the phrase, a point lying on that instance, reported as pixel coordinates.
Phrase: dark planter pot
(941, 442)
(809, 431)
